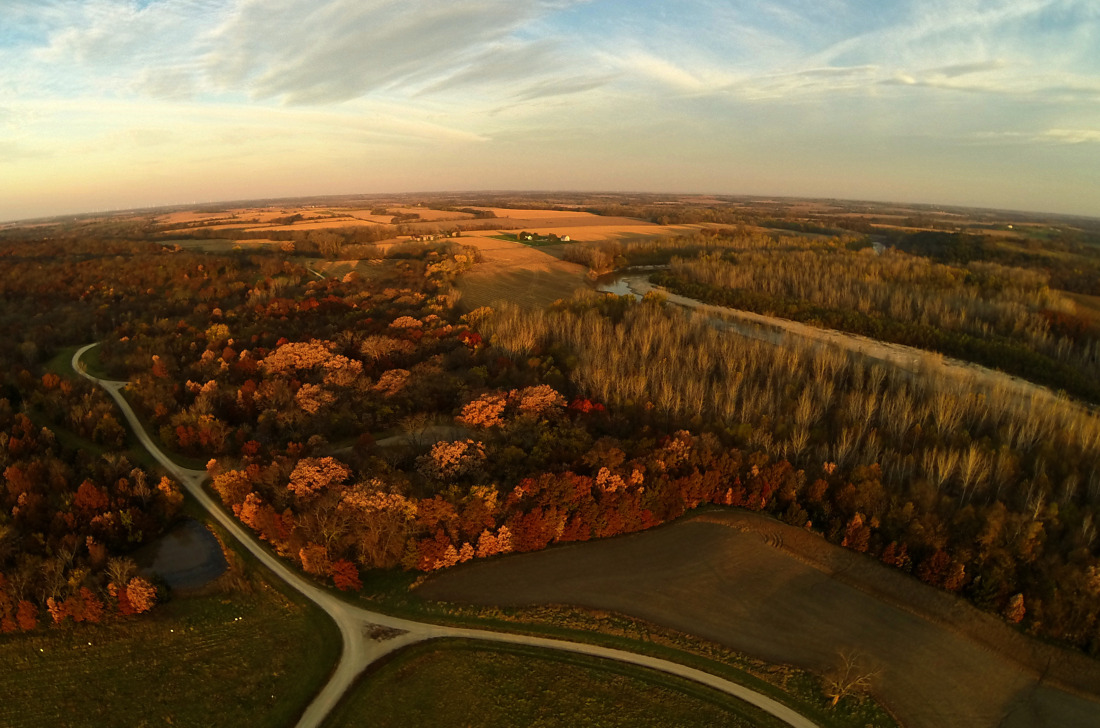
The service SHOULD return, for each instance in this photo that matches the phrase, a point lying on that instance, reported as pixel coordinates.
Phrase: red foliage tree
(93, 605)
(141, 594)
(345, 576)
(27, 616)
(91, 499)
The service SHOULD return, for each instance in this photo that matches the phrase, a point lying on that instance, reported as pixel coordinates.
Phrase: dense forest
(992, 314)
(1069, 257)
(991, 496)
(366, 422)
(73, 503)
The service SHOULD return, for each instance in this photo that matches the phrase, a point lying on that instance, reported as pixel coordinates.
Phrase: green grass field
(62, 362)
(459, 683)
(251, 657)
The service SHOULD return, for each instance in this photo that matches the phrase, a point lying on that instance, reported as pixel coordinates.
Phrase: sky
(114, 104)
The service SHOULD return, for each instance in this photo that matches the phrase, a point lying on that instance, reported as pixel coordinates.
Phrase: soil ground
(785, 595)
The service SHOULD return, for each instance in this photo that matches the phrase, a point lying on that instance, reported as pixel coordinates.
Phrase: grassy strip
(61, 363)
(461, 683)
(390, 592)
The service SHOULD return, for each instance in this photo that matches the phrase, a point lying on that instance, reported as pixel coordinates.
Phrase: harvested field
(211, 245)
(368, 268)
(427, 214)
(593, 232)
(785, 595)
(505, 212)
(525, 288)
(586, 225)
(518, 273)
(258, 242)
(241, 214)
(227, 225)
(181, 218)
(335, 222)
(367, 216)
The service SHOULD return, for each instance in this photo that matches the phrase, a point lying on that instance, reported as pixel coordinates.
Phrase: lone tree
(850, 676)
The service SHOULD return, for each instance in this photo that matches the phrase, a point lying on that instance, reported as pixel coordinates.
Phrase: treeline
(605, 256)
(534, 471)
(983, 493)
(56, 293)
(991, 314)
(1071, 259)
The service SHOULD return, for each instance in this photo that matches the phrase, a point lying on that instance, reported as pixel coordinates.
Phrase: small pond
(186, 557)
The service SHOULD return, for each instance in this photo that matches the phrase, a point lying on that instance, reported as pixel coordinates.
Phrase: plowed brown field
(782, 594)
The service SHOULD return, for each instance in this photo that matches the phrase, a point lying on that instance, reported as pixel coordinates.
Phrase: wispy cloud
(1072, 136)
(344, 49)
(965, 69)
(1047, 136)
(498, 85)
(521, 71)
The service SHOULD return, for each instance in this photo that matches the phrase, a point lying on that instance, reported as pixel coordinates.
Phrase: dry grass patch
(514, 272)
(334, 222)
(1088, 307)
(527, 289)
(368, 217)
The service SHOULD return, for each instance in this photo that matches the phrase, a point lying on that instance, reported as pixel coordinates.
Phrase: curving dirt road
(363, 641)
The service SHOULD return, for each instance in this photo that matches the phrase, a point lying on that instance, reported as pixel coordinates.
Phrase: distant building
(565, 239)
